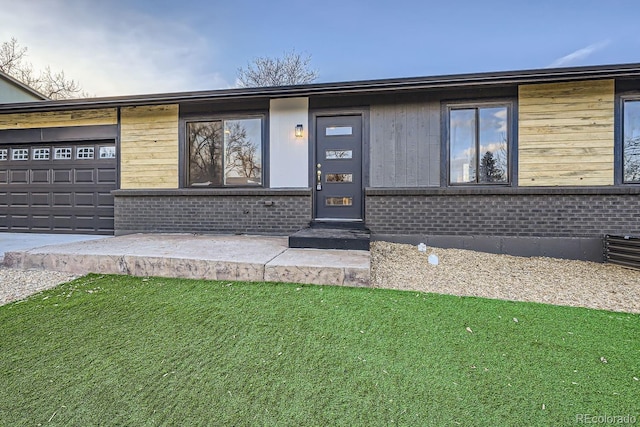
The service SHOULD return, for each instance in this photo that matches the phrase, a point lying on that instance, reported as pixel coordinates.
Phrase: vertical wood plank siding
(104, 116)
(149, 147)
(405, 144)
(566, 133)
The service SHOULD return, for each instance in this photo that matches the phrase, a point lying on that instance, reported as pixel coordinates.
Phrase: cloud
(109, 49)
(494, 147)
(501, 114)
(578, 55)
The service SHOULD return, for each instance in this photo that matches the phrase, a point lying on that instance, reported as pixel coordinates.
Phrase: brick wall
(543, 212)
(212, 211)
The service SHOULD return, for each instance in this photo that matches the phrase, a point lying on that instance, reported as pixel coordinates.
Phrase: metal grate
(622, 250)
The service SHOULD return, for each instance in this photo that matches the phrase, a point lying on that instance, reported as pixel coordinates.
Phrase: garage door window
(84, 153)
(41, 154)
(107, 152)
(62, 153)
(3, 154)
(20, 154)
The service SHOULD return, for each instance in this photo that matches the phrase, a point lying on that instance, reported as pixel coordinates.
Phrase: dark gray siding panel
(405, 144)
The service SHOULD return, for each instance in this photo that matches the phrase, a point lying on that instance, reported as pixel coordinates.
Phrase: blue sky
(118, 47)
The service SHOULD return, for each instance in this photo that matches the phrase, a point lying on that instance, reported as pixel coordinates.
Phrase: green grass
(114, 350)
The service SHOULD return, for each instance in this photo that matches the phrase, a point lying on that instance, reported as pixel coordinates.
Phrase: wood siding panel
(412, 134)
(104, 116)
(404, 144)
(389, 146)
(566, 133)
(423, 153)
(434, 143)
(376, 149)
(400, 139)
(149, 147)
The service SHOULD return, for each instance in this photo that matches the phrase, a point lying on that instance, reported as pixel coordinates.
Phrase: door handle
(318, 177)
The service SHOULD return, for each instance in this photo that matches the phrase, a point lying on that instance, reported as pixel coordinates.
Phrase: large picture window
(479, 144)
(631, 142)
(225, 152)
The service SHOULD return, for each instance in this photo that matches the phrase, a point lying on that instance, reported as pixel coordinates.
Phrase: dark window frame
(512, 140)
(619, 138)
(226, 116)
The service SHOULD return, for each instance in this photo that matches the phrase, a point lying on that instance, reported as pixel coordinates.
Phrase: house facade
(12, 90)
(535, 162)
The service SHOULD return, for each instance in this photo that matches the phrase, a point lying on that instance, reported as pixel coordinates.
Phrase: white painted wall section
(288, 155)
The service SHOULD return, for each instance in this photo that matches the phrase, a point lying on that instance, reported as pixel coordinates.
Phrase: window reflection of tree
(223, 152)
(493, 163)
(338, 154)
(501, 155)
(489, 169)
(340, 177)
(631, 159)
(242, 156)
(205, 160)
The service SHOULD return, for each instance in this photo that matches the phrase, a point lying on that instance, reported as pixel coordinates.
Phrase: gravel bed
(19, 284)
(469, 273)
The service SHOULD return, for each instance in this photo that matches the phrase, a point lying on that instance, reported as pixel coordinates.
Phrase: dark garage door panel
(58, 195)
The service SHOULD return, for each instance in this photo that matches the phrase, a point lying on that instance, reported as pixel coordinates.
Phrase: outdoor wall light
(299, 130)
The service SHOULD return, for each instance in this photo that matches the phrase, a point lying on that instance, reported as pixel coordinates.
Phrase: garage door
(58, 188)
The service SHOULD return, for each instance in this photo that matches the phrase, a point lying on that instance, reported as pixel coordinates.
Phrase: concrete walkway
(215, 257)
(21, 241)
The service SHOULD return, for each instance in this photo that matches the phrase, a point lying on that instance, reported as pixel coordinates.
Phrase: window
(41, 154)
(339, 177)
(339, 201)
(62, 153)
(631, 142)
(338, 154)
(338, 131)
(20, 154)
(479, 144)
(3, 154)
(84, 153)
(225, 152)
(107, 152)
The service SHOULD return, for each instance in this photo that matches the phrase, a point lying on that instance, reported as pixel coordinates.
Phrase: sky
(127, 47)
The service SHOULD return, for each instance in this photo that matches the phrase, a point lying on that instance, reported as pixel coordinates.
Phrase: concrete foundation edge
(578, 248)
(272, 271)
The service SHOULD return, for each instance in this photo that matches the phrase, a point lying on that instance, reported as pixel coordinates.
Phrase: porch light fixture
(299, 133)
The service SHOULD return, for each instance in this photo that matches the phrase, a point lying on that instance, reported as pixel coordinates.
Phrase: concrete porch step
(214, 257)
(326, 236)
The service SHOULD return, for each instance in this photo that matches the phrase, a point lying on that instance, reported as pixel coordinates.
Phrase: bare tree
(11, 57)
(291, 69)
(53, 85)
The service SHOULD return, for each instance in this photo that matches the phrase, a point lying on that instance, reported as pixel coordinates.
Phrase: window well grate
(622, 250)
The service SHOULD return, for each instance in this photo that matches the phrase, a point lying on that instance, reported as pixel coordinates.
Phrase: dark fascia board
(345, 88)
(22, 86)
(59, 134)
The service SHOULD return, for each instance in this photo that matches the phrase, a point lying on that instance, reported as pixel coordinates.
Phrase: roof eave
(343, 88)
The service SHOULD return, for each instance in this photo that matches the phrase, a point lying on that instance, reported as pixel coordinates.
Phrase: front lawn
(116, 350)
